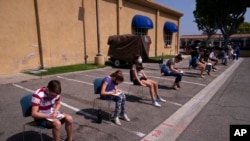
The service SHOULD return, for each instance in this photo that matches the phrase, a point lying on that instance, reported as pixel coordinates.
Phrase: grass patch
(78, 67)
(163, 57)
(64, 69)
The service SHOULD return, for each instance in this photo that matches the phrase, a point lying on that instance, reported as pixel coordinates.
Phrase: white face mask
(139, 60)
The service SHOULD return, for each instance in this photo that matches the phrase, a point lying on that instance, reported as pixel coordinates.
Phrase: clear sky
(188, 26)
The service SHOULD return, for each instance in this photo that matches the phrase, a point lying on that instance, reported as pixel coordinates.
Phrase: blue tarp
(140, 21)
(171, 27)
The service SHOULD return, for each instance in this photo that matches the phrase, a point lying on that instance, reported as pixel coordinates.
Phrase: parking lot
(77, 99)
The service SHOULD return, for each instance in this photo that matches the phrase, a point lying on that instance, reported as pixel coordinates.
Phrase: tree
(226, 14)
(206, 24)
(244, 28)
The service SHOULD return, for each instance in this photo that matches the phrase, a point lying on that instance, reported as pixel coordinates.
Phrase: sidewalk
(19, 77)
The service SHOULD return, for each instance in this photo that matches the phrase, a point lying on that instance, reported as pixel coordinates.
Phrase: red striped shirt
(44, 101)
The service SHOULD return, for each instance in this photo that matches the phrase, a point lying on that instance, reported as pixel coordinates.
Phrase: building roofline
(157, 6)
(214, 36)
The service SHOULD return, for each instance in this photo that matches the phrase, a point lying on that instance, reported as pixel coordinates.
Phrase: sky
(188, 26)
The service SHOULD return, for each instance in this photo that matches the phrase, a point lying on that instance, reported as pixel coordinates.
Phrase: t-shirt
(139, 73)
(211, 55)
(170, 62)
(44, 101)
(109, 81)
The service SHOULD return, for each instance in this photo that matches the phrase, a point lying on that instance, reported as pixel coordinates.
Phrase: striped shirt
(44, 101)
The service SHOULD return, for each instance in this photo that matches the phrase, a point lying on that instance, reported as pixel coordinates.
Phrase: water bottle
(99, 116)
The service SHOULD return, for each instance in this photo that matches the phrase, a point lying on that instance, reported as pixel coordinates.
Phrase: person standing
(237, 51)
(46, 104)
(109, 91)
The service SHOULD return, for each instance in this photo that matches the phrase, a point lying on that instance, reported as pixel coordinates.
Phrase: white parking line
(173, 126)
(140, 134)
(74, 80)
(200, 84)
(64, 104)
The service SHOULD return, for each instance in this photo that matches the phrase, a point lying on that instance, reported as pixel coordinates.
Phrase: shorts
(45, 123)
(138, 83)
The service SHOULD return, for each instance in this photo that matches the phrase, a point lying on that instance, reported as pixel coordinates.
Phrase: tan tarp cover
(125, 47)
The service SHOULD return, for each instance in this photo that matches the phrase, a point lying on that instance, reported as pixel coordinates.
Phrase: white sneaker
(156, 104)
(125, 117)
(117, 121)
(159, 99)
(202, 76)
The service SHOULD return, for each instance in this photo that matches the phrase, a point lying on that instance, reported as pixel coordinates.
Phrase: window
(140, 31)
(168, 38)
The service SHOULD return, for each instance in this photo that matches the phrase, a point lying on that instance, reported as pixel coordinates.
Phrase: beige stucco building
(38, 34)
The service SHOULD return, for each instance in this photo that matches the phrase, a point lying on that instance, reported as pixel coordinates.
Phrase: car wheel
(117, 63)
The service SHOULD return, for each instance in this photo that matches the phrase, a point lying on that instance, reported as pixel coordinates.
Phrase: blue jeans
(120, 103)
(177, 75)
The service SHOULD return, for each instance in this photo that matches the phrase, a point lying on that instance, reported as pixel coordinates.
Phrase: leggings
(120, 103)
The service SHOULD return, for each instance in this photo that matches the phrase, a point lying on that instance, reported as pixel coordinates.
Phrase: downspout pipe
(98, 29)
(39, 35)
(84, 34)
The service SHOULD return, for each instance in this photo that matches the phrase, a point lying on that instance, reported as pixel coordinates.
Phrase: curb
(172, 127)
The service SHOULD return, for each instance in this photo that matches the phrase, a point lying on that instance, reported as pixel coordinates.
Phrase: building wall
(18, 36)
(61, 32)
(68, 30)
(162, 48)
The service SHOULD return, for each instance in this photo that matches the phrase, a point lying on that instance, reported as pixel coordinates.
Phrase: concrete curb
(172, 127)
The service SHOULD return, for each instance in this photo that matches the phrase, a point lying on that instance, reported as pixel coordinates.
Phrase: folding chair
(26, 111)
(97, 89)
(140, 88)
(161, 72)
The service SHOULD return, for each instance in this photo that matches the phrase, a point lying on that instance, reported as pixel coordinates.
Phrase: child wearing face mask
(140, 78)
(109, 91)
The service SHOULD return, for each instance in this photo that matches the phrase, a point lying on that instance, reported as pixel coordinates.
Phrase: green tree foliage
(206, 24)
(226, 15)
(244, 28)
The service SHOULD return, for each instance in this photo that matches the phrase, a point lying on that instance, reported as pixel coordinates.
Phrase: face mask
(139, 60)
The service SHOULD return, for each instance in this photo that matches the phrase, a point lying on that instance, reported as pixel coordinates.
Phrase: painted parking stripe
(130, 83)
(173, 126)
(64, 104)
(65, 78)
(200, 84)
(140, 134)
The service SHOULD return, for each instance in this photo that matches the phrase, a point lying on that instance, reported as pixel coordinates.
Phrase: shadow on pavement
(29, 136)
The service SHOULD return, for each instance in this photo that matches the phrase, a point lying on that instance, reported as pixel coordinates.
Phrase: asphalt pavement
(185, 116)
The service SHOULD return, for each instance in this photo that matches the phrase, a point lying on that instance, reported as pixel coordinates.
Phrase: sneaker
(156, 104)
(125, 117)
(117, 121)
(159, 99)
(202, 76)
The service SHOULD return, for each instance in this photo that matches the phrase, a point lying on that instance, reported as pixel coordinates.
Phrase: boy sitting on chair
(45, 110)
